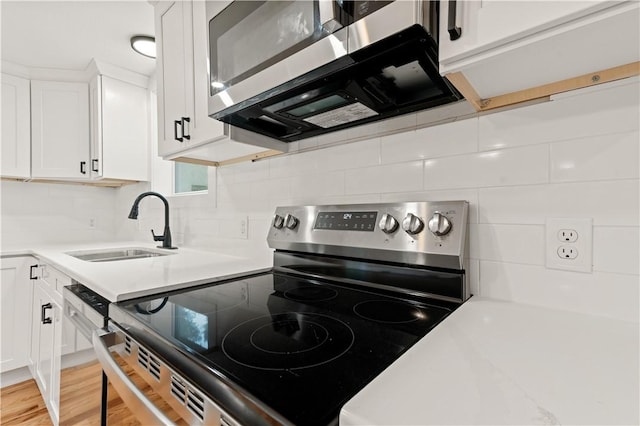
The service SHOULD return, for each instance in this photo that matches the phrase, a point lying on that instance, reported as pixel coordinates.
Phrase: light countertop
(489, 362)
(494, 362)
(126, 279)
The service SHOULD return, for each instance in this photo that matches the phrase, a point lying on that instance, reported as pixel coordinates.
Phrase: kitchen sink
(112, 255)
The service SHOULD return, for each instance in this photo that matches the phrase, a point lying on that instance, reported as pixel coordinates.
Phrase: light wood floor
(22, 404)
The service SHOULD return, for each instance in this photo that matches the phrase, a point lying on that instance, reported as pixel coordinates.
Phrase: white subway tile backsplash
(599, 293)
(293, 165)
(251, 171)
(402, 177)
(613, 203)
(616, 249)
(507, 243)
(614, 110)
(320, 185)
(349, 156)
(472, 271)
(613, 156)
(520, 166)
(454, 138)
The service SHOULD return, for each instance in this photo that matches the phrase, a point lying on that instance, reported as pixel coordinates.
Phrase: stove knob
(388, 223)
(290, 221)
(439, 224)
(278, 221)
(412, 224)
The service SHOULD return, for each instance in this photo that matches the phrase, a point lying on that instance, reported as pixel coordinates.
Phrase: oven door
(150, 388)
(249, 37)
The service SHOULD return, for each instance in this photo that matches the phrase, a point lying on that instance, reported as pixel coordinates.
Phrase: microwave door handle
(144, 409)
(329, 16)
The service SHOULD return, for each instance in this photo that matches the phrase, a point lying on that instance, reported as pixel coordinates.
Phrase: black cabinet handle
(94, 165)
(186, 133)
(83, 167)
(43, 312)
(454, 32)
(32, 275)
(177, 123)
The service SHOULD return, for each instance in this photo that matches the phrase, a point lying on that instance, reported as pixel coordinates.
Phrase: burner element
(310, 293)
(389, 311)
(288, 341)
(286, 337)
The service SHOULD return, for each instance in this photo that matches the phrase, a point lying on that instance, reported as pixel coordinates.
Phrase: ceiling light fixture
(144, 45)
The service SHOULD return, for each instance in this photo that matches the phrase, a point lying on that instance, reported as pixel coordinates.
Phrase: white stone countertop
(493, 362)
(127, 279)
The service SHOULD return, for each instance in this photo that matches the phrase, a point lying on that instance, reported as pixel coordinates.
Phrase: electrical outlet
(568, 235)
(92, 222)
(569, 244)
(237, 227)
(244, 225)
(567, 252)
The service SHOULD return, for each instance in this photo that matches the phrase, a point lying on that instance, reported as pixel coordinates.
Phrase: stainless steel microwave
(295, 69)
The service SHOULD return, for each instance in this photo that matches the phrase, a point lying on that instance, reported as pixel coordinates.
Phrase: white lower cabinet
(16, 291)
(46, 345)
(51, 337)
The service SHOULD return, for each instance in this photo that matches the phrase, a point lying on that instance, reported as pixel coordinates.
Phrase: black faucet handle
(157, 237)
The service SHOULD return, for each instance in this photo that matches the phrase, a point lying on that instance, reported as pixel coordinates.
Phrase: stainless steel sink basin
(112, 255)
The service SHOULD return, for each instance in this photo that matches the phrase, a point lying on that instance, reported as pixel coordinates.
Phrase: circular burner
(287, 341)
(389, 311)
(310, 293)
(266, 340)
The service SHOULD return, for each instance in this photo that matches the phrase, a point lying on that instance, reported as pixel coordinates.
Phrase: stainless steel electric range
(352, 288)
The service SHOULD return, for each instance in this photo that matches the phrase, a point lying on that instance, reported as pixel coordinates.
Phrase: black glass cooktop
(302, 347)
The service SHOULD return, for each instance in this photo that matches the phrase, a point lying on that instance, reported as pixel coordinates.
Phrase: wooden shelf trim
(611, 74)
(250, 157)
(105, 183)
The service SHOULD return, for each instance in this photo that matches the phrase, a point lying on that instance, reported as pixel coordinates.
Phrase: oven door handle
(145, 410)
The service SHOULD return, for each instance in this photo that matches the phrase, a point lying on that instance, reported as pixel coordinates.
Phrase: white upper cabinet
(514, 47)
(491, 23)
(119, 130)
(174, 64)
(60, 130)
(16, 127)
(185, 130)
(181, 38)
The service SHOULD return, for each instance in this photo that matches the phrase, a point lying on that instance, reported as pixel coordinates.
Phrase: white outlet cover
(583, 262)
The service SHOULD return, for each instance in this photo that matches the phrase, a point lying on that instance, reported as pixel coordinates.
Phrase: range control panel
(423, 233)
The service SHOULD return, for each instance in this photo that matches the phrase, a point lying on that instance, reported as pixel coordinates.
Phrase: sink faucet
(166, 236)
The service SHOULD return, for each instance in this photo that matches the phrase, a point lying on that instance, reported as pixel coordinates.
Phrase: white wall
(577, 156)
(34, 214)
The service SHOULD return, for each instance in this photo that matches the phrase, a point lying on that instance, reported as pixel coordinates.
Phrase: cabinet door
(16, 127)
(490, 24)
(15, 312)
(95, 119)
(204, 128)
(43, 336)
(60, 130)
(124, 152)
(172, 68)
(56, 359)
